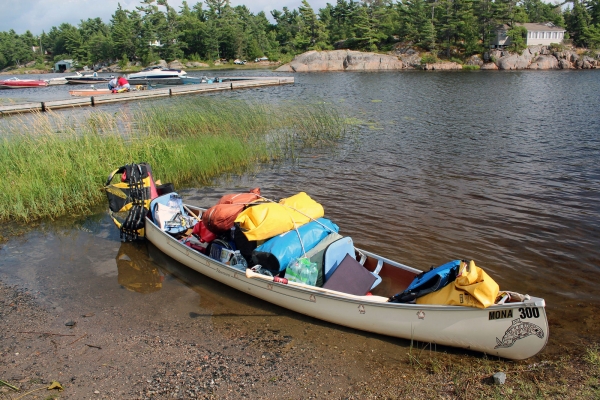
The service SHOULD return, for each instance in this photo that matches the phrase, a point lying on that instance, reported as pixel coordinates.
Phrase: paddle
(191, 213)
(251, 274)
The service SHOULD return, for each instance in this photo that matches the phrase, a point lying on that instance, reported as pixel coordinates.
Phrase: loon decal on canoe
(518, 330)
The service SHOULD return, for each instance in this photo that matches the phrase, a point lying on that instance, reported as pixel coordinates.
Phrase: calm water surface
(499, 167)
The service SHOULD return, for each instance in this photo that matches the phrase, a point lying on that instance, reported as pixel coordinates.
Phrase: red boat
(16, 83)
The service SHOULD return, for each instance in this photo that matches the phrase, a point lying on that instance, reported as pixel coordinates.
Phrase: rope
(294, 222)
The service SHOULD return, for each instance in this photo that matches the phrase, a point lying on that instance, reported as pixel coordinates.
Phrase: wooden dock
(177, 90)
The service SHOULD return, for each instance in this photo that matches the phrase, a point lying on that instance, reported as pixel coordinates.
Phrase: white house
(537, 34)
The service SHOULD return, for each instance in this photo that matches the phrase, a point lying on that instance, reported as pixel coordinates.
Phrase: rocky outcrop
(489, 66)
(341, 60)
(195, 64)
(544, 62)
(541, 57)
(403, 56)
(513, 61)
(175, 64)
(474, 60)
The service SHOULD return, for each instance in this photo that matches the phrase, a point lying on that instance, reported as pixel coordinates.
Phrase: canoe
(89, 92)
(511, 330)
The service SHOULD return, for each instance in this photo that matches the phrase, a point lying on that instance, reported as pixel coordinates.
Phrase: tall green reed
(52, 164)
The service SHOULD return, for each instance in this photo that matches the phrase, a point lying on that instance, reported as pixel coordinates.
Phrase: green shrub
(471, 67)
(456, 60)
(429, 59)
(123, 61)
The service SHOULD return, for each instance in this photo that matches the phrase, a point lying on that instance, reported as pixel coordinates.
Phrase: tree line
(213, 29)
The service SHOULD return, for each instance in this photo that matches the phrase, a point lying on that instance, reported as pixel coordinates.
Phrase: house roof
(536, 27)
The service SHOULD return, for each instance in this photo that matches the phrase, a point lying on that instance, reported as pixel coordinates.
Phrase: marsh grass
(52, 164)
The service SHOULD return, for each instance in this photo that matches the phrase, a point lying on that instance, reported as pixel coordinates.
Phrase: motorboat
(57, 81)
(79, 78)
(157, 74)
(16, 83)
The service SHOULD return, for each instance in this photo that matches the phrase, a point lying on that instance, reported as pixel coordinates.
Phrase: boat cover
(266, 220)
(287, 247)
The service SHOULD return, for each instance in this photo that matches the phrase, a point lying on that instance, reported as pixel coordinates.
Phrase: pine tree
(312, 34)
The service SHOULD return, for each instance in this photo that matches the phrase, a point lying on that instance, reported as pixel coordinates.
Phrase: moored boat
(16, 83)
(57, 81)
(89, 92)
(157, 74)
(516, 330)
(81, 79)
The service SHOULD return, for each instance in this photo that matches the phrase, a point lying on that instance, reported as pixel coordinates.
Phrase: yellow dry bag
(265, 220)
(472, 288)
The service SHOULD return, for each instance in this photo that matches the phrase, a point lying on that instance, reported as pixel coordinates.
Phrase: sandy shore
(116, 353)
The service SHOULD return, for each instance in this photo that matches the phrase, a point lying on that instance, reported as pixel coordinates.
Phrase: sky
(41, 15)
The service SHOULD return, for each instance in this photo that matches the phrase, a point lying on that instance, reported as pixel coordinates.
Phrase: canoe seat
(335, 254)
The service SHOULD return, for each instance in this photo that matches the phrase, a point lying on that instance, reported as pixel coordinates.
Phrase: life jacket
(429, 281)
(129, 200)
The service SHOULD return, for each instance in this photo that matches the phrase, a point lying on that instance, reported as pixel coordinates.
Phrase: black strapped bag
(129, 199)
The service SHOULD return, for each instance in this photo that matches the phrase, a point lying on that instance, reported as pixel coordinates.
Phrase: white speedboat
(157, 74)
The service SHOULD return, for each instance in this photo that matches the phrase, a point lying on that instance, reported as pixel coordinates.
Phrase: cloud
(41, 15)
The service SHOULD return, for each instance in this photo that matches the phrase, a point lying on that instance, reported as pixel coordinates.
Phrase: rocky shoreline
(407, 58)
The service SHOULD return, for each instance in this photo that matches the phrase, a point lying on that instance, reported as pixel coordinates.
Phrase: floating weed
(353, 121)
(376, 101)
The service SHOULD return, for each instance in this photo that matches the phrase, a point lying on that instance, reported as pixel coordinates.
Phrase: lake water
(499, 167)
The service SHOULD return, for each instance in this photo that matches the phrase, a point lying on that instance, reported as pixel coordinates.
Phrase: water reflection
(136, 271)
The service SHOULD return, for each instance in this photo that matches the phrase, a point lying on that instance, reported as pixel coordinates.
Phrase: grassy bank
(54, 164)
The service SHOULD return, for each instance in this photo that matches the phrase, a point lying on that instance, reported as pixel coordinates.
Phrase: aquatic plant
(57, 163)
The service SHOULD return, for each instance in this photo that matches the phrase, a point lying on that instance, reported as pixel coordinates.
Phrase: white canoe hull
(514, 331)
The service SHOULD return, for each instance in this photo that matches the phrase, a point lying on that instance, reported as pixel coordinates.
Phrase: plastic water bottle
(292, 272)
(304, 266)
(313, 275)
(173, 203)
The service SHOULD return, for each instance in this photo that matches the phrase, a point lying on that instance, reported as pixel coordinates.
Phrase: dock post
(92, 100)
(43, 106)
